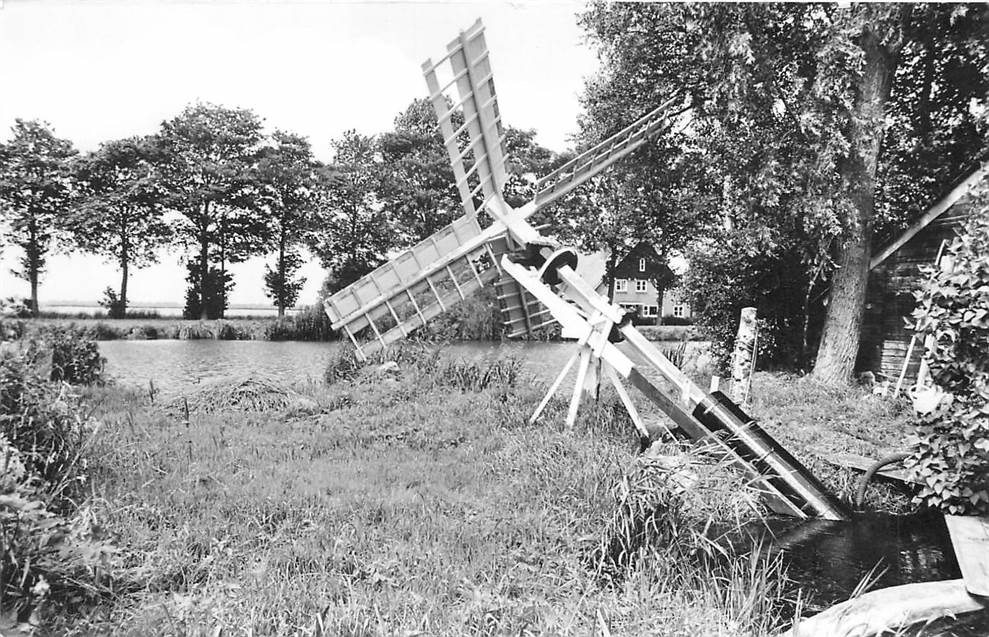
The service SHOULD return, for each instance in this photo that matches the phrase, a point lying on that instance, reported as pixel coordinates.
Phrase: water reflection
(832, 558)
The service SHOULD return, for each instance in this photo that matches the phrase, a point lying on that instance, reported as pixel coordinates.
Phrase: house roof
(935, 211)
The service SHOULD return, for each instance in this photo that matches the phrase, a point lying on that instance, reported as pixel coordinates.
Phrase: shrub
(951, 453)
(114, 305)
(669, 319)
(731, 274)
(75, 359)
(38, 418)
(310, 324)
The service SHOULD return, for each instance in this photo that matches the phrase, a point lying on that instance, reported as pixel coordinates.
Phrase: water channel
(828, 558)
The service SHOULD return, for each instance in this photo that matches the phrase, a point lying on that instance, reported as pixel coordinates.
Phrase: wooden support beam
(633, 413)
(456, 284)
(578, 389)
(555, 386)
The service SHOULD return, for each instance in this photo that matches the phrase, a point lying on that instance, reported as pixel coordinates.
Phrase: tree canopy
(206, 154)
(791, 106)
(120, 215)
(35, 194)
(289, 186)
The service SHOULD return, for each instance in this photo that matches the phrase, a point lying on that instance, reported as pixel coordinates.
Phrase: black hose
(876, 466)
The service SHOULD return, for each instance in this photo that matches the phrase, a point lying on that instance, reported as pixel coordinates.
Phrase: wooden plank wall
(890, 299)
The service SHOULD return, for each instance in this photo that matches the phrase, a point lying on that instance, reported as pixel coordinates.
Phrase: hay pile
(253, 393)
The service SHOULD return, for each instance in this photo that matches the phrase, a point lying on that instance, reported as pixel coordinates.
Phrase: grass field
(421, 503)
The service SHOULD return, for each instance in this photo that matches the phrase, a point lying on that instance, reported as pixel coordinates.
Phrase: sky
(99, 70)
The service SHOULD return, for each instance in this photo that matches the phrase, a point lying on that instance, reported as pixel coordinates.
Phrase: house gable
(643, 262)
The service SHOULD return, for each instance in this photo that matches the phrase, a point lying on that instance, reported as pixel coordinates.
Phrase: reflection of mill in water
(831, 558)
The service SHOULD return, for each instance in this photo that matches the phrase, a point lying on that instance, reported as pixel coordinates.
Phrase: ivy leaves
(951, 455)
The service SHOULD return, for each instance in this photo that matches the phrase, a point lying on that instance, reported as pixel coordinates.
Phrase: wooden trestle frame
(460, 259)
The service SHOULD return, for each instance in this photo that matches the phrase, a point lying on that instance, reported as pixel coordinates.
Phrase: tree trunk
(33, 265)
(33, 276)
(222, 283)
(846, 301)
(280, 294)
(124, 262)
(123, 286)
(203, 271)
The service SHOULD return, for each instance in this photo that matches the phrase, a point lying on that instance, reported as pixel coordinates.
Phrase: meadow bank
(416, 501)
(306, 326)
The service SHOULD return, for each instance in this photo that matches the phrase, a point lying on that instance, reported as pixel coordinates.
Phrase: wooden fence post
(743, 358)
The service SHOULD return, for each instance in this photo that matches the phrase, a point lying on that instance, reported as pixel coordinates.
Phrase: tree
(289, 187)
(35, 194)
(355, 232)
(790, 104)
(414, 180)
(121, 214)
(205, 156)
(281, 284)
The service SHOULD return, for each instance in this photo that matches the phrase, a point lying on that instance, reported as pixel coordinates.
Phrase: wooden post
(743, 358)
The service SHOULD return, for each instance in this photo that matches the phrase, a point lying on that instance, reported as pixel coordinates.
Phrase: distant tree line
(213, 184)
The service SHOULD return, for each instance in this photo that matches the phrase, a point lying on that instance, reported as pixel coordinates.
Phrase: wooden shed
(895, 274)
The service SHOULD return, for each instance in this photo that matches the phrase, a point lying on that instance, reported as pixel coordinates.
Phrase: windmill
(542, 286)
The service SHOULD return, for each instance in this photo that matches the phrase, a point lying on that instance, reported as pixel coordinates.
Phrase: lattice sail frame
(475, 102)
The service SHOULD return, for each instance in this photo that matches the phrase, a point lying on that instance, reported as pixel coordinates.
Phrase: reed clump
(422, 364)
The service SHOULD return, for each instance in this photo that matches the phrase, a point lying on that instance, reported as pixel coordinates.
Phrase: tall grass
(409, 508)
(429, 364)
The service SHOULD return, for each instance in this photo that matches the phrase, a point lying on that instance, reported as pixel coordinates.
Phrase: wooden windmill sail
(462, 258)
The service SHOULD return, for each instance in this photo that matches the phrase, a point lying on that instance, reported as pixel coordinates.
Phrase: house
(895, 274)
(637, 276)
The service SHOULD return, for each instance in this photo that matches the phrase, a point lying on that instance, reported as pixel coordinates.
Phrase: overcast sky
(99, 70)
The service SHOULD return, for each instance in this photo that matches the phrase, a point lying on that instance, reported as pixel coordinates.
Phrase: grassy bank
(477, 319)
(412, 503)
(419, 501)
(302, 327)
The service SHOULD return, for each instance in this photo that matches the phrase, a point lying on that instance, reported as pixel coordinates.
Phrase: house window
(621, 285)
(642, 265)
(640, 285)
(649, 310)
(678, 311)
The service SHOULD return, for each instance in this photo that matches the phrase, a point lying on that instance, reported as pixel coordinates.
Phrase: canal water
(828, 558)
(177, 365)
